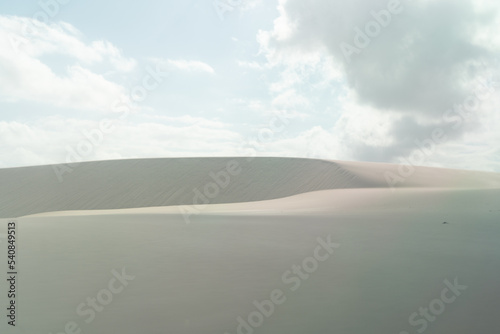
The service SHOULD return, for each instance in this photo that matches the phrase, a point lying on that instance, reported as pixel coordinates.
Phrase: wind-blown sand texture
(398, 255)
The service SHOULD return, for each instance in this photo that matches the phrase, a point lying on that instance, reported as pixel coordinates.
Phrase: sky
(399, 81)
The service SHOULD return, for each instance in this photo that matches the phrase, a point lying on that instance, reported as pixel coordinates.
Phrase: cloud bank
(410, 66)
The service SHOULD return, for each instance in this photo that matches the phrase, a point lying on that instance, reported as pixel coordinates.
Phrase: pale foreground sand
(389, 269)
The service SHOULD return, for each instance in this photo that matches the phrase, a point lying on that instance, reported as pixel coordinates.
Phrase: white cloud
(185, 65)
(250, 65)
(426, 57)
(187, 119)
(291, 100)
(46, 141)
(420, 61)
(250, 4)
(106, 50)
(25, 76)
(36, 39)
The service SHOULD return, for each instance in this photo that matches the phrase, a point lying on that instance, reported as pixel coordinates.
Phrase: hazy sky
(369, 80)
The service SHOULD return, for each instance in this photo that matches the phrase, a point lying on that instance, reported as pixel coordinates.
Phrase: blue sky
(268, 78)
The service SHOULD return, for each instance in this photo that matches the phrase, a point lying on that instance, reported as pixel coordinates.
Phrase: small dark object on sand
(445, 223)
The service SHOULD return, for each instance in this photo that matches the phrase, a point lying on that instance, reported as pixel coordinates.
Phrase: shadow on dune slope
(119, 184)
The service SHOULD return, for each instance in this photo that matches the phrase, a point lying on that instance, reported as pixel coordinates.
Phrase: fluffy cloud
(25, 74)
(408, 63)
(54, 139)
(185, 65)
(35, 39)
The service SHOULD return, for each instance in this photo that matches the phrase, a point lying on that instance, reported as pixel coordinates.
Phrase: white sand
(395, 252)
(119, 184)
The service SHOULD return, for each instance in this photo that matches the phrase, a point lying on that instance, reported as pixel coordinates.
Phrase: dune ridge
(139, 183)
(393, 252)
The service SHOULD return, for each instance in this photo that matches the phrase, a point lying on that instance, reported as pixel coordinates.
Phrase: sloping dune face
(287, 246)
(120, 184)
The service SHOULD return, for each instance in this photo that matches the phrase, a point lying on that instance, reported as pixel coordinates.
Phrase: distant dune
(139, 183)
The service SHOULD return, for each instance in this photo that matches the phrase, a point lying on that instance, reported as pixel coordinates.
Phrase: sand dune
(288, 246)
(327, 202)
(120, 184)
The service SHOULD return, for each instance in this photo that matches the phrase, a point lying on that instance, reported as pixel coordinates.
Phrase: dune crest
(139, 183)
